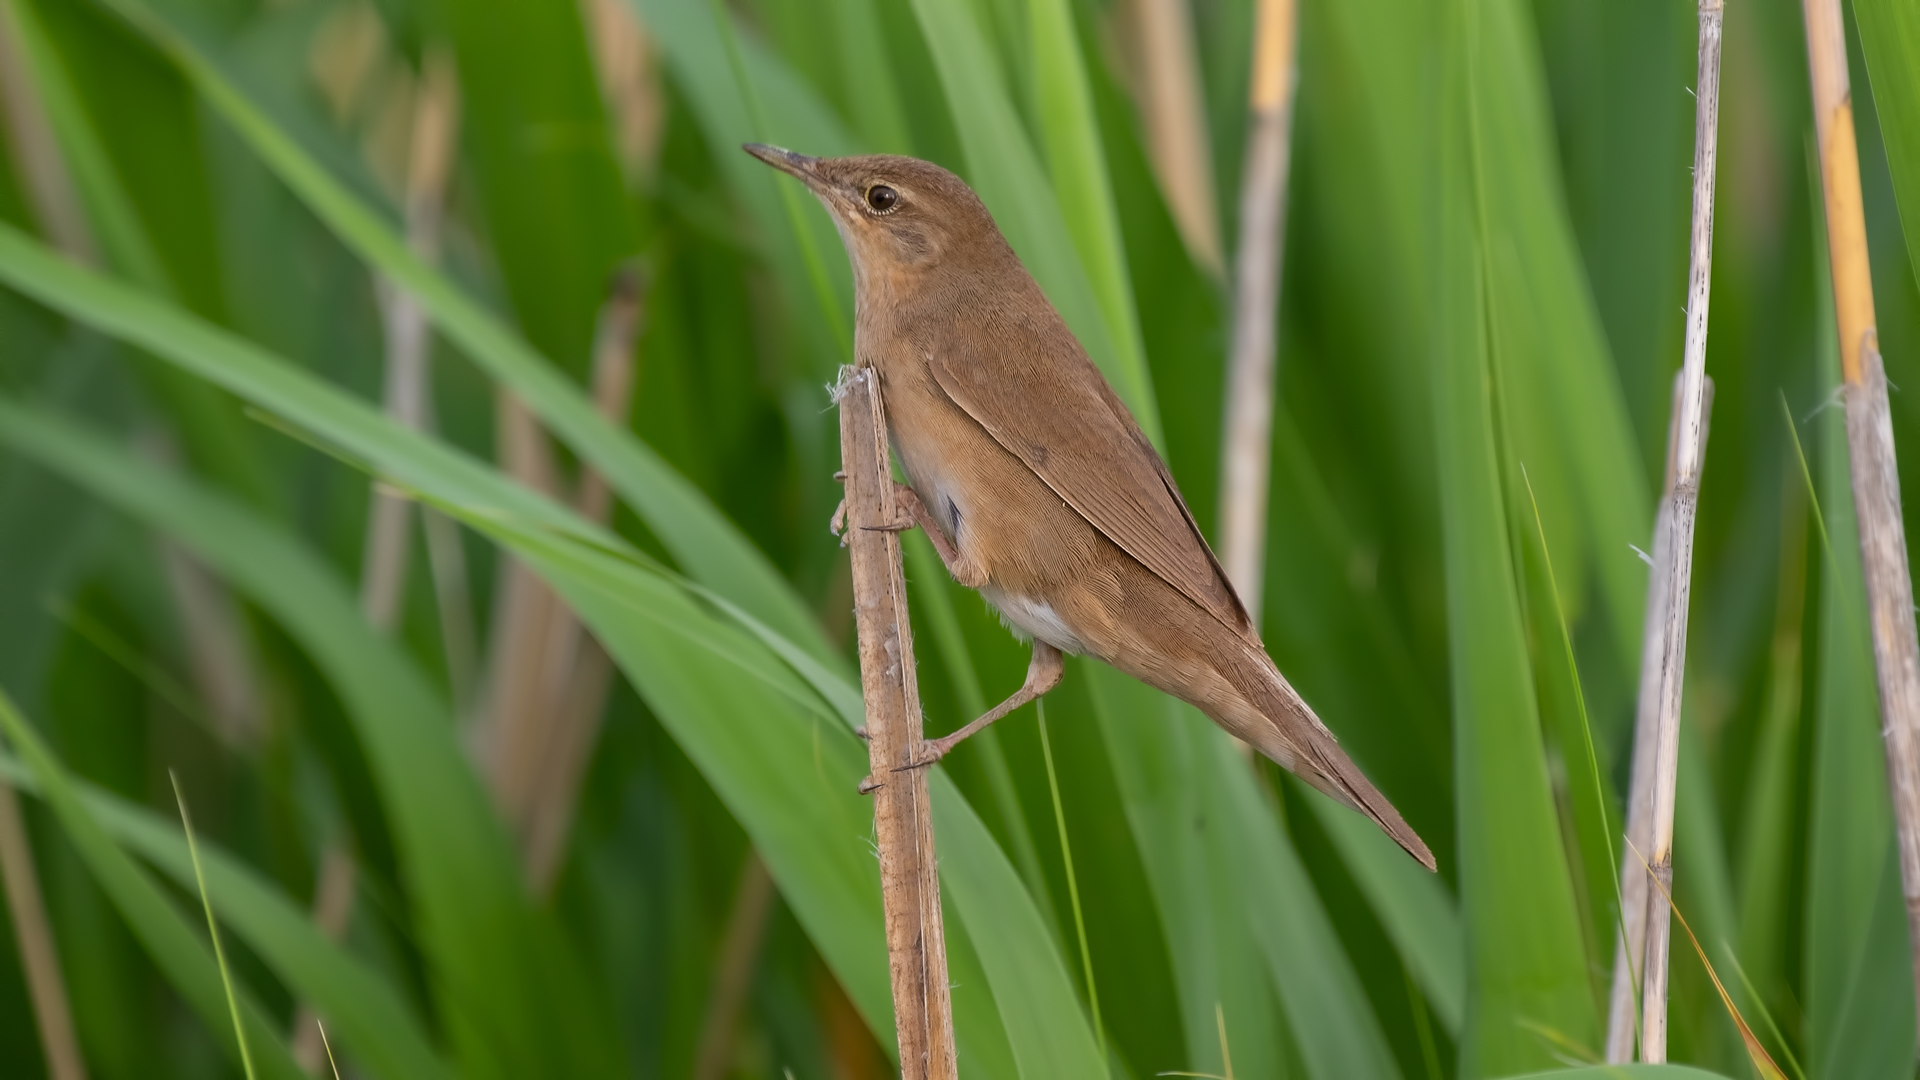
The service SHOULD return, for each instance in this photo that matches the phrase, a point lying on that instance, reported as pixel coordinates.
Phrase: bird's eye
(882, 198)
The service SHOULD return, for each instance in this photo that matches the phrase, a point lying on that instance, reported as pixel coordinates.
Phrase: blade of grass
(1593, 821)
(521, 993)
(1412, 905)
(213, 928)
(1890, 38)
(161, 929)
(1567, 418)
(1524, 959)
(1239, 899)
(1073, 885)
(378, 1023)
(1163, 776)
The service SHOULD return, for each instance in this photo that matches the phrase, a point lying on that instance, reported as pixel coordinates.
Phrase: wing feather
(1087, 447)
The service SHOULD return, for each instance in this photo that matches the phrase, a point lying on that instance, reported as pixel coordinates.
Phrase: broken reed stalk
(902, 806)
(1681, 507)
(1167, 85)
(1875, 472)
(1247, 456)
(1623, 1014)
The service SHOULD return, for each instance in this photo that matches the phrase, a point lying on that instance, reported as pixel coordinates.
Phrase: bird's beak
(797, 165)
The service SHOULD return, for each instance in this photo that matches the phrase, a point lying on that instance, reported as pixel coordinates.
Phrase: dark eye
(882, 198)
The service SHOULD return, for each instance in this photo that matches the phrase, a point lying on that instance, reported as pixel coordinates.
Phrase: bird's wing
(1050, 407)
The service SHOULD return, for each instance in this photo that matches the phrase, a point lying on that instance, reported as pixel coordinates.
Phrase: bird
(1033, 480)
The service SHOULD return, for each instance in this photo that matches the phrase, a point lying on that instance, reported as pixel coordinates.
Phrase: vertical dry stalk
(733, 975)
(902, 808)
(1875, 472)
(1247, 456)
(408, 336)
(550, 678)
(1681, 507)
(1628, 955)
(37, 957)
(408, 341)
(1167, 85)
(586, 671)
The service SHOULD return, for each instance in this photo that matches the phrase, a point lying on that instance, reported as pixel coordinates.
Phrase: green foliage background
(1485, 270)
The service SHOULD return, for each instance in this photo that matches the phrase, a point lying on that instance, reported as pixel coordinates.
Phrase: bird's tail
(1293, 736)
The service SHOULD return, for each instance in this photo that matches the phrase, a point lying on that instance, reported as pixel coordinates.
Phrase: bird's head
(895, 214)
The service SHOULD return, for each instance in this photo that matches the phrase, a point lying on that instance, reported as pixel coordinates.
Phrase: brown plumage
(1034, 481)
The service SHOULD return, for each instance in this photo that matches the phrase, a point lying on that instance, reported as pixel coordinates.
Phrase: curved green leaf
(697, 535)
(510, 987)
(1526, 968)
(759, 732)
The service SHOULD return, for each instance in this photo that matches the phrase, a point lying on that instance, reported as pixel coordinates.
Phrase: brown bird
(1033, 480)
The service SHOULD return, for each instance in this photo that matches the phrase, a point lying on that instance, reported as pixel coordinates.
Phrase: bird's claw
(933, 751)
(862, 733)
(837, 525)
(869, 785)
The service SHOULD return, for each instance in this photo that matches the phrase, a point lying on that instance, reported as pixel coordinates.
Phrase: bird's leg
(914, 512)
(1043, 674)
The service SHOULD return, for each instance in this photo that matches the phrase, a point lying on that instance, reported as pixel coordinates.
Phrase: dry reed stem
(1870, 453)
(1682, 505)
(406, 399)
(902, 807)
(733, 973)
(409, 337)
(550, 677)
(38, 960)
(1623, 1014)
(587, 670)
(1167, 84)
(1247, 456)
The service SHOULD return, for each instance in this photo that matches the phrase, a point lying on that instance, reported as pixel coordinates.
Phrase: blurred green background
(550, 723)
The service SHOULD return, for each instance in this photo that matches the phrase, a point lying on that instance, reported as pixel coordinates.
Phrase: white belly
(1034, 619)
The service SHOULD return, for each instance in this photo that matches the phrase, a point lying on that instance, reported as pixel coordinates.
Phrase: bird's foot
(869, 785)
(861, 733)
(837, 525)
(930, 754)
